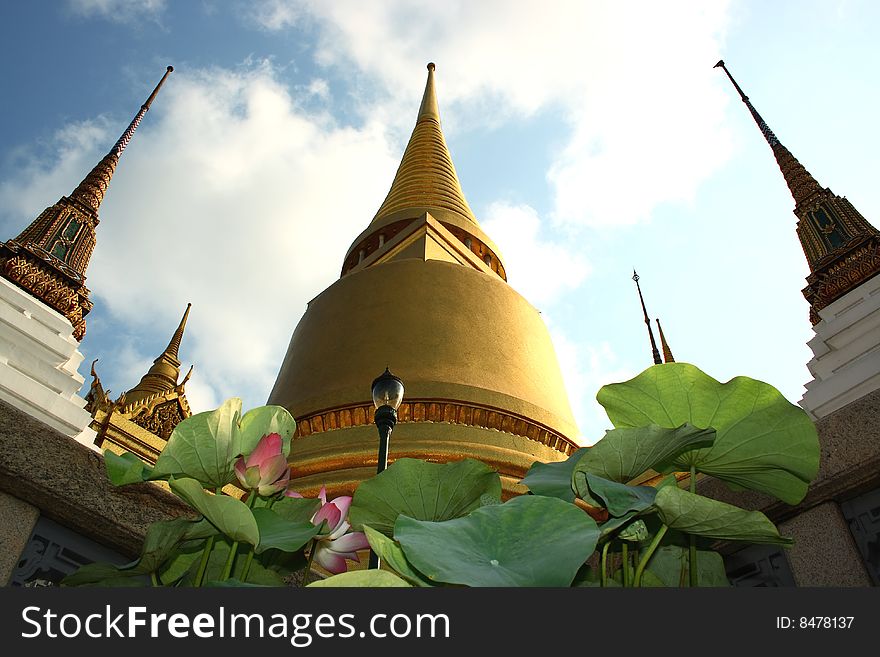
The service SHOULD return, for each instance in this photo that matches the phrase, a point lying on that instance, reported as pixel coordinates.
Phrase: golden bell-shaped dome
(423, 292)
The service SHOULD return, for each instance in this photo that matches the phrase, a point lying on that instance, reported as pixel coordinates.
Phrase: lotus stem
(305, 577)
(648, 554)
(624, 554)
(603, 574)
(227, 567)
(250, 555)
(203, 564)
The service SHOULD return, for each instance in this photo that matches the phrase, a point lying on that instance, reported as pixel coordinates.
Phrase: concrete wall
(43, 472)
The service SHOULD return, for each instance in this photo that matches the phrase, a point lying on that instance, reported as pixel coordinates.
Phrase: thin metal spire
(667, 352)
(654, 352)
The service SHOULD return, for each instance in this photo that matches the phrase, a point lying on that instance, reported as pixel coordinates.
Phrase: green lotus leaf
(204, 447)
(391, 555)
(297, 509)
(530, 540)
(257, 573)
(763, 442)
(279, 533)
(262, 421)
(554, 479)
(125, 468)
(635, 532)
(229, 515)
(701, 516)
(610, 526)
(422, 490)
(669, 564)
(617, 498)
(624, 454)
(362, 579)
(162, 540)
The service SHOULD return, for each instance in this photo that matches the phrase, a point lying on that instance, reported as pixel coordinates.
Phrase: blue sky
(590, 138)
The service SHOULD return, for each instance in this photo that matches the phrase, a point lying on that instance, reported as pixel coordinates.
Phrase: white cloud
(538, 267)
(596, 66)
(274, 14)
(119, 11)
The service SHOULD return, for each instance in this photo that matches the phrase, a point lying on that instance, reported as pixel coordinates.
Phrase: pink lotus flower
(265, 470)
(333, 546)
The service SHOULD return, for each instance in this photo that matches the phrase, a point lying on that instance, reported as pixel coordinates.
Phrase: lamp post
(387, 391)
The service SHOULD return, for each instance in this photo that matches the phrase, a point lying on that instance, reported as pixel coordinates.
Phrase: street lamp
(387, 393)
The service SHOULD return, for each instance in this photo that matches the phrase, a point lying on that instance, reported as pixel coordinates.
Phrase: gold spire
(162, 376)
(667, 352)
(841, 247)
(426, 177)
(174, 345)
(49, 258)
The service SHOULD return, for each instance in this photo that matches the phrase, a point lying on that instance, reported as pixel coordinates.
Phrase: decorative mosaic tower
(843, 289)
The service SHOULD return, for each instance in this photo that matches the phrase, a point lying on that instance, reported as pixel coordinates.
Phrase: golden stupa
(423, 291)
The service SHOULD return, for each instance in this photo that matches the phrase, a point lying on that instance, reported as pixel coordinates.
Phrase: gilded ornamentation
(162, 420)
(448, 411)
(843, 274)
(48, 285)
(97, 397)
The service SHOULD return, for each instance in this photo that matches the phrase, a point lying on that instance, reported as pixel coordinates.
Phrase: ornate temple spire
(91, 190)
(654, 353)
(841, 247)
(162, 376)
(426, 177)
(801, 184)
(667, 352)
(49, 258)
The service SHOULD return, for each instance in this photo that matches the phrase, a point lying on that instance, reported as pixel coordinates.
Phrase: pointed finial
(152, 97)
(762, 124)
(429, 108)
(174, 345)
(91, 190)
(667, 352)
(186, 378)
(800, 182)
(654, 353)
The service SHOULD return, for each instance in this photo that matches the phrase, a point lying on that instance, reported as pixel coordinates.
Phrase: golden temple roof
(162, 376)
(426, 178)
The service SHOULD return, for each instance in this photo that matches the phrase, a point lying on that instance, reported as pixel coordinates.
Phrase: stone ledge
(67, 482)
